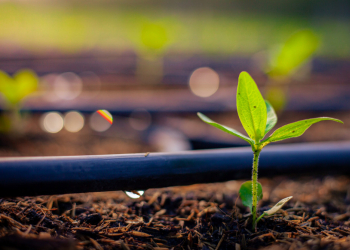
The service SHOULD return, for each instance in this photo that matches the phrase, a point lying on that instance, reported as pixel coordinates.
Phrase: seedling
(289, 61)
(14, 90)
(258, 118)
(153, 41)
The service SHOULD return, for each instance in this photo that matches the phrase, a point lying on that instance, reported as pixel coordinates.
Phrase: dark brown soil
(206, 216)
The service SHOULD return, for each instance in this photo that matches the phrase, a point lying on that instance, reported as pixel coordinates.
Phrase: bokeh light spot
(101, 120)
(51, 122)
(105, 114)
(73, 121)
(68, 86)
(140, 119)
(169, 140)
(204, 82)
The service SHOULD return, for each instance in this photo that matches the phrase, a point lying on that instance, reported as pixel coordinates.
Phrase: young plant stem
(15, 116)
(255, 184)
(256, 223)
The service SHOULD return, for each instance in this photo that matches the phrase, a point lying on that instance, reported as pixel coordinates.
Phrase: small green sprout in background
(289, 61)
(152, 39)
(14, 90)
(258, 118)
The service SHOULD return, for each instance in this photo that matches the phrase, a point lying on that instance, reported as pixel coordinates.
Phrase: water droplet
(134, 194)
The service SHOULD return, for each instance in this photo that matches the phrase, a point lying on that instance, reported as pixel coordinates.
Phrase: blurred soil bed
(203, 216)
(121, 138)
(33, 141)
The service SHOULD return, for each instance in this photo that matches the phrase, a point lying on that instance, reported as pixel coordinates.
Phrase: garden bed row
(306, 97)
(198, 217)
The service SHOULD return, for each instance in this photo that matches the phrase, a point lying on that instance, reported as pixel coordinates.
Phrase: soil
(206, 216)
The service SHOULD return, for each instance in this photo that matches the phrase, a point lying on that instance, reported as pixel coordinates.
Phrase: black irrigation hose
(74, 174)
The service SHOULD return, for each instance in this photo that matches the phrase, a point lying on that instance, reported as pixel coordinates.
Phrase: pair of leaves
(15, 88)
(258, 116)
(246, 195)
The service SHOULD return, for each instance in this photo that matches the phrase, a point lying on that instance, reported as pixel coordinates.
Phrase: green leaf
(21, 85)
(271, 117)
(246, 193)
(278, 206)
(7, 88)
(224, 128)
(296, 129)
(251, 107)
(26, 82)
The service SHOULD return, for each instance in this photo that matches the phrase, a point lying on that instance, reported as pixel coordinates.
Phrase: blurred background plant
(151, 44)
(287, 62)
(14, 90)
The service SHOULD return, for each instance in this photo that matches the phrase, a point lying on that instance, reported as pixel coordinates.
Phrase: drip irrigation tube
(75, 174)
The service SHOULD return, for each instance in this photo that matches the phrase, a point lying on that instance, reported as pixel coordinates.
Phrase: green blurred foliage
(70, 28)
(16, 88)
(297, 50)
(154, 36)
(277, 96)
(286, 62)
